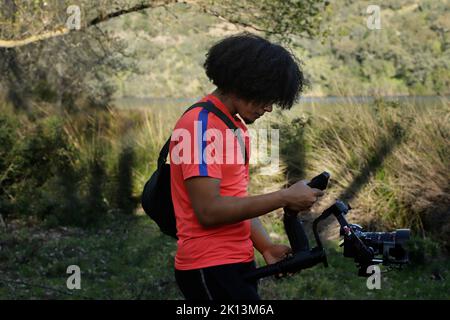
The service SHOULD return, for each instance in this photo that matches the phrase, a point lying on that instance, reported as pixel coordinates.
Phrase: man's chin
(248, 121)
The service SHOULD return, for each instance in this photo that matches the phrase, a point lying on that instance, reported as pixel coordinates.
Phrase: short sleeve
(197, 146)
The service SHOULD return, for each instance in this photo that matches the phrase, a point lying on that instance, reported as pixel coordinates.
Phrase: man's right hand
(300, 196)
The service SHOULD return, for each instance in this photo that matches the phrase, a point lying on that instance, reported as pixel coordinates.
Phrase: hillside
(410, 54)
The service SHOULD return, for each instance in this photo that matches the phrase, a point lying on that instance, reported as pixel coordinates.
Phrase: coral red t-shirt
(203, 145)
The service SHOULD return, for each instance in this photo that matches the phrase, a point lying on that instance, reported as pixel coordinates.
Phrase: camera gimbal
(362, 246)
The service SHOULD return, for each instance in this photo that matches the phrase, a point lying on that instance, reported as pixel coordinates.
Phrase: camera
(367, 248)
(389, 244)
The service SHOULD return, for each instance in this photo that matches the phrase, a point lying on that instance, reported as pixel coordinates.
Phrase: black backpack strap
(222, 116)
(164, 153)
(208, 105)
(165, 149)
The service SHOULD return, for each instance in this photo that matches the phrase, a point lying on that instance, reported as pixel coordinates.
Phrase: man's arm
(213, 209)
(259, 236)
(261, 241)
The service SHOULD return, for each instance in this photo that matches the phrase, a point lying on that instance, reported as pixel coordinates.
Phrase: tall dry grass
(389, 160)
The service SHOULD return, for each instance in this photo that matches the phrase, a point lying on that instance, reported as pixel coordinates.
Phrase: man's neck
(227, 100)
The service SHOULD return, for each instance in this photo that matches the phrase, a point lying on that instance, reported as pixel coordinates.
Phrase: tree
(279, 17)
(54, 63)
(59, 53)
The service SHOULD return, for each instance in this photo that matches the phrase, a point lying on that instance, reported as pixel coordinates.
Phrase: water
(146, 102)
(416, 100)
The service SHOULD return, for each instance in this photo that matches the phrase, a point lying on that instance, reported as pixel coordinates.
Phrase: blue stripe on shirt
(203, 118)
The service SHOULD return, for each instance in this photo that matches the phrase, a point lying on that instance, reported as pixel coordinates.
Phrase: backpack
(156, 197)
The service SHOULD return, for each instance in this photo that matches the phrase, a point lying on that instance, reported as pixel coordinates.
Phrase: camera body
(388, 244)
(367, 248)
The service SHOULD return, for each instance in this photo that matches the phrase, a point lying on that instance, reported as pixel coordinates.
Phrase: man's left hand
(275, 253)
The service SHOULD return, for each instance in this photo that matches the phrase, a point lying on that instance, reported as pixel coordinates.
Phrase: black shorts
(222, 282)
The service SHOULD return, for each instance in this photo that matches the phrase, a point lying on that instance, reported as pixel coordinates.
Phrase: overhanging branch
(236, 21)
(63, 30)
(43, 36)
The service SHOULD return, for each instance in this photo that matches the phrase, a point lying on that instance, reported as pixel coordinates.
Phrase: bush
(58, 174)
(422, 250)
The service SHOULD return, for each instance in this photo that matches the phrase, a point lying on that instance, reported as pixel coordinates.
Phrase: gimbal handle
(294, 226)
(300, 260)
(295, 231)
(302, 257)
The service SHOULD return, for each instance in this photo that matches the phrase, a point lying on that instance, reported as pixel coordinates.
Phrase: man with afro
(217, 221)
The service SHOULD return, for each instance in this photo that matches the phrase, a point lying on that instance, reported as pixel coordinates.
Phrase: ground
(128, 258)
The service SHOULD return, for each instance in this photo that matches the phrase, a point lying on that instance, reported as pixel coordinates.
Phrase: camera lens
(399, 251)
(401, 236)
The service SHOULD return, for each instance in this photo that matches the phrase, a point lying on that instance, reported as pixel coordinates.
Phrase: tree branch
(63, 30)
(23, 42)
(235, 21)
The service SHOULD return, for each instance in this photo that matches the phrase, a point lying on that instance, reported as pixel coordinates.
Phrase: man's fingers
(318, 192)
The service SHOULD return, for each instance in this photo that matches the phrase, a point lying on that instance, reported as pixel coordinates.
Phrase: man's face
(250, 111)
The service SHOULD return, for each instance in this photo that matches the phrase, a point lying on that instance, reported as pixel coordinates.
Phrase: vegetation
(390, 164)
(128, 258)
(121, 255)
(409, 55)
(72, 166)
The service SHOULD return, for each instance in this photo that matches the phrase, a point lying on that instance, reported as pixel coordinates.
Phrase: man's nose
(268, 108)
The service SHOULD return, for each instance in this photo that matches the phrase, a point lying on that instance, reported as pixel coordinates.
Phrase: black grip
(302, 257)
(293, 264)
(294, 226)
(295, 231)
(320, 182)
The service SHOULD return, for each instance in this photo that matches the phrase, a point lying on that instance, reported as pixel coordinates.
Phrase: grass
(340, 281)
(389, 160)
(128, 258)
